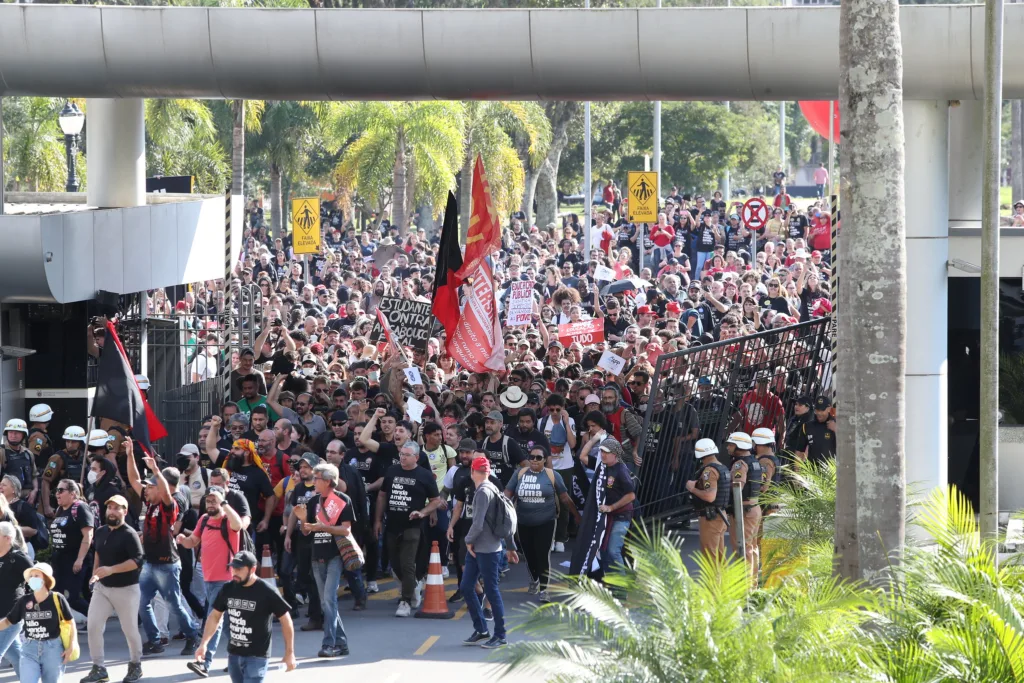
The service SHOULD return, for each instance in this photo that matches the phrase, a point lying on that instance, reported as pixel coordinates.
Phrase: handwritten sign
(612, 363)
(519, 303)
(410, 321)
(585, 332)
(604, 274)
(413, 375)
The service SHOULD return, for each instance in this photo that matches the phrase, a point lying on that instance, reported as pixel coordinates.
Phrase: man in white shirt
(560, 431)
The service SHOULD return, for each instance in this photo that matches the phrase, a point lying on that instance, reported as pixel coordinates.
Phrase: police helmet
(98, 438)
(16, 425)
(74, 433)
(143, 382)
(40, 413)
(705, 447)
(741, 440)
(763, 436)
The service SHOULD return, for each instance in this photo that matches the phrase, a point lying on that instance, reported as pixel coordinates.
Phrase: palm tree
(33, 145)
(182, 140)
(705, 627)
(412, 149)
(487, 133)
(246, 117)
(872, 293)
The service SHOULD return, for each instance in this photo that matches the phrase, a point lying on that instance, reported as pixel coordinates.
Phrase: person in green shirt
(252, 398)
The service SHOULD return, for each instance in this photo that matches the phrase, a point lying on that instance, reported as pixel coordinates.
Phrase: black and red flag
(445, 306)
(119, 398)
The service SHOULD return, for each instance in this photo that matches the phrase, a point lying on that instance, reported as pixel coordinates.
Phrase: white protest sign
(519, 303)
(413, 375)
(604, 274)
(612, 363)
(415, 409)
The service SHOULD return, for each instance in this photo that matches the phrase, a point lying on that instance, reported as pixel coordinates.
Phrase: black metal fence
(710, 391)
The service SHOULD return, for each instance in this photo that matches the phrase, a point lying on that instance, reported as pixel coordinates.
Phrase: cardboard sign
(519, 304)
(410, 321)
(413, 375)
(612, 363)
(586, 332)
(415, 409)
(604, 274)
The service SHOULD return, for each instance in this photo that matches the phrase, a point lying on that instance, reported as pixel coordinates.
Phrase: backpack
(503, 522)
(244, 539)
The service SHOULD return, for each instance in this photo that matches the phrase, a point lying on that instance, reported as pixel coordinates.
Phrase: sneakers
(312, 625)
(371, 587)
(190, 647)
(494, 643)
(543, 598)
(180, 635)
(97, 674)
(488, 614)
(134, 673)
(404, 609)
(476, 637)
(331, 652)
(534, 587)
(152, 648)
(559, 547)
(417, 596)
(199, 669)
(444, 572)
(456, 596)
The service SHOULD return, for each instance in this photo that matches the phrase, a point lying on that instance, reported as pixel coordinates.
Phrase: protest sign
(410, 321)
(413, 375)
(585, 332)
(604, 274)
(611, 362)
(519, 303)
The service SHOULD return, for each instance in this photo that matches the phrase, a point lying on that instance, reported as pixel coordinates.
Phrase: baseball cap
(612, 446)
(815, 253)
(805, 400)
(217, 491)
(822, 403)
(285, 396)
(117, 500)
(242, 560)
(481, 464)
(673, 306)
(467, 445)
(592, 399)
(495, 415)
(311, 459)
(339, 416)
(189, 449)
(694, 284)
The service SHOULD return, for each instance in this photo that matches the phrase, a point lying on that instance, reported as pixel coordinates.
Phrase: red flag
(388, 334)
(484, 236)
(445, 306)
(477, 342)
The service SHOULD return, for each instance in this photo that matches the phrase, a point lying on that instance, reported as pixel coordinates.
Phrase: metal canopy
(304, 54)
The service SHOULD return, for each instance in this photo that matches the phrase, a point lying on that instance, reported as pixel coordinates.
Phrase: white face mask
(308, 372)
(92, 476)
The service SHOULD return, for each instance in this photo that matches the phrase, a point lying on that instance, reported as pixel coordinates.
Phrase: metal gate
(699, 393)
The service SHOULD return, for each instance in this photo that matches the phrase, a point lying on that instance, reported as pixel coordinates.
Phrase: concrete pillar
(965, 165)
(926, 183)
(116, 138)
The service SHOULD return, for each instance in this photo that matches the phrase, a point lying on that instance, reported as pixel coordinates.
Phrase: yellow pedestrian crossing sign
(306, 225)
(643, 196)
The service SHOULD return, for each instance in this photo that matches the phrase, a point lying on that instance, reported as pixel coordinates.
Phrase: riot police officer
(816, 440)
(17, 459)
(771, 466)
(710, 489)
(746, 471)
(38, 442)
(67, 463)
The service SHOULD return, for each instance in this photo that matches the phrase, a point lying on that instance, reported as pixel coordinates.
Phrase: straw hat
(46, 570)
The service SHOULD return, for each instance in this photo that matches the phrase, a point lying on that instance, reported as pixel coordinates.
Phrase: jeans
(821, 189)
(247, 669)
(187, 575)
(328, 578)
(42, 661)
(702, 257)
(483, 565)
(10, 645)
(612, 556)
(212, 589)
(402, 549)
(164, 579)
(305, 567)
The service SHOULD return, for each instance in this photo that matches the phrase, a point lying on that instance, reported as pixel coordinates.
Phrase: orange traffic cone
(434, 604)
(266, 570)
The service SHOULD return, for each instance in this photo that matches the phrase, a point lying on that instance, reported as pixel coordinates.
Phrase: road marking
(461, 612)
(427, 644)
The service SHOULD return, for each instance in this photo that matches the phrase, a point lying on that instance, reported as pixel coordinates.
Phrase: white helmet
(763, 436)
(705, 447)
(16, 425)
(98, 438)
(741, 440)
(74, 433)
(40, 413)
(143, 382)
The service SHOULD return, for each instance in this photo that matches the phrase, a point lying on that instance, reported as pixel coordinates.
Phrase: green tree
(33, 145)
(398, 150)
(181, 139)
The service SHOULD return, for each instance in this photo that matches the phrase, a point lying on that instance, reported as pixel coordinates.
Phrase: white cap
(74, 433)
(143, 382)
(763, 436)
(801, 253)
(189, 449)
(16, 425)
(705, 447)
(98, 438)
(741, 440)
(40, 413)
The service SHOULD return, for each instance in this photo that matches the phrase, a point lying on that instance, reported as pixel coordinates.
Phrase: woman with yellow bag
(51, 640)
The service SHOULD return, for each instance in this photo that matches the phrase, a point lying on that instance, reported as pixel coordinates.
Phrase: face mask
(35, 583)
(92, 476)
(182, 462)
(308, 372)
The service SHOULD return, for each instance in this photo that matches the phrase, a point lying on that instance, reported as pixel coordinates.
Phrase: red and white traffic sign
(755, 213)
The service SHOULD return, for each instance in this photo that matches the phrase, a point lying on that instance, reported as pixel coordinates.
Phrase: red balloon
(816, 114)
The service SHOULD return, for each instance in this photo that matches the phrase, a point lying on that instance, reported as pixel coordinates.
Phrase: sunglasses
(294, 463)
(60, 490)
(537, 458)
(338, 424)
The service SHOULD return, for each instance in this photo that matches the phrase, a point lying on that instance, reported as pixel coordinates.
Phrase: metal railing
(709, 391)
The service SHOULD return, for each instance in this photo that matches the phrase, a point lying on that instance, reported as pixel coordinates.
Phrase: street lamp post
(71, 121)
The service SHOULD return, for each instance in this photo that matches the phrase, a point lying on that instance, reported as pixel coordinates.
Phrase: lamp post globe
(71, 120)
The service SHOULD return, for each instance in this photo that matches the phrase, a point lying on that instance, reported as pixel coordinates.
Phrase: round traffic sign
(755, 213)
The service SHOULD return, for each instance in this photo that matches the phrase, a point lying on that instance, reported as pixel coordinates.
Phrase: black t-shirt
(503, 464)
(463, 489)
(386, 457)
(12, 575)
(158, 541)
(776, 303)
(66, 528)
(101, 493)
(324, 546)
(797, 226)
(253, 482)
(41, 621)
(617, 484)
(529, 439)
(364, 463)
(618, 327)
(249, 612)
(705, 240)
(114, 546)
(405, 491)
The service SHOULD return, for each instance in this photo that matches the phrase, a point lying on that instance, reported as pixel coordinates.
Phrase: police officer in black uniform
(816, 440)
(710, 487)
(801, 416)
(67, 463)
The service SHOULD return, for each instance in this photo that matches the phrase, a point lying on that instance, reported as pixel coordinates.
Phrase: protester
(13, 565)
(43, 654)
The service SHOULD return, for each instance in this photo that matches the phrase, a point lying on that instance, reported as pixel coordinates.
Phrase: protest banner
(410, 321)
(586, 332)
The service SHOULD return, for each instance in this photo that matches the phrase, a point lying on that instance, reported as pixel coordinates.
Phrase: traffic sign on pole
(306, 225)
(755, 213)
(642, 187)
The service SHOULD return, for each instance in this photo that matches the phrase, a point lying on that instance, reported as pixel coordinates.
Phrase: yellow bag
(67, 630)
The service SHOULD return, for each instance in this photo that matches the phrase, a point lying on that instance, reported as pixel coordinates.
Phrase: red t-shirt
(820, 236)
(216, 553)
(783, 200)
(760, 411)
(662, 235)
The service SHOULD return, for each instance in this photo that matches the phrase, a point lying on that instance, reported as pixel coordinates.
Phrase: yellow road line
(427, 644)
(459, 613)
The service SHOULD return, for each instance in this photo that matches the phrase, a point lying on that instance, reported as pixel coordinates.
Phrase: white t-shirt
(563, 459)
(204, 366)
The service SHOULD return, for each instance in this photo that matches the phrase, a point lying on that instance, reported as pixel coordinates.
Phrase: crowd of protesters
(327, 441)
